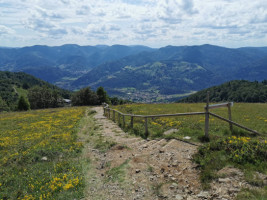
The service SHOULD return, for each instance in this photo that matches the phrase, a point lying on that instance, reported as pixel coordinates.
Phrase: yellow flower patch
(36, 140)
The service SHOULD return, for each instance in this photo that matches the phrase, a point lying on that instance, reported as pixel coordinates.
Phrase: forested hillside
(16, 84)
(237, 91)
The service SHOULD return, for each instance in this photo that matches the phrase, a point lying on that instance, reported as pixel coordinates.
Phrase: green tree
(3, 105)
(84, 97)
(115, 101)
(44, 97)
(23, 103)
(102, 95)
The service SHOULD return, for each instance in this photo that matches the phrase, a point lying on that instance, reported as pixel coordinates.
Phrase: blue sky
(155, 23)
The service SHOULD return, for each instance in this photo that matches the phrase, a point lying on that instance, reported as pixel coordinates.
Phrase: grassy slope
(37, 151)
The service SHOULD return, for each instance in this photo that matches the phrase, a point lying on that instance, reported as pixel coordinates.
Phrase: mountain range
(59, 63)
(138, 73)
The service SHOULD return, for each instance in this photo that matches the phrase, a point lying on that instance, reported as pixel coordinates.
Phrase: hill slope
(237, 91)
(14, 84)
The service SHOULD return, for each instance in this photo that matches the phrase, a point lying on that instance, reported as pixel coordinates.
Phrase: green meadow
(253, 116)
(37, 154)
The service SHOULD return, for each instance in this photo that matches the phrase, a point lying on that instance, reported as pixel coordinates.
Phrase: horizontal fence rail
(234, 123)
(221, 105)
(107, 112)
(154, 116)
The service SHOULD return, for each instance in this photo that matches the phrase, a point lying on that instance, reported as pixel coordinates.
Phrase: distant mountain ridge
(139, 73)
(217, 64)
(69, 60)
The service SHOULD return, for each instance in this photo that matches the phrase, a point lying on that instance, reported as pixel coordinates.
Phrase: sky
(154, 23)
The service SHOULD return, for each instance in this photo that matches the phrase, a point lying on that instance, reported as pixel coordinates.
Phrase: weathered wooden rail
(108, 110)
(207, 113)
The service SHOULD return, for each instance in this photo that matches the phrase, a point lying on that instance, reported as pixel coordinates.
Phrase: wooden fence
(207, 113)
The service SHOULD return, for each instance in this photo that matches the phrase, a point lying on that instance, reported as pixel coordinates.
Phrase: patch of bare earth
(135, 169)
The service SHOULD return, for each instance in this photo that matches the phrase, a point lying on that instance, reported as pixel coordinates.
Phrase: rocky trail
(134, 168)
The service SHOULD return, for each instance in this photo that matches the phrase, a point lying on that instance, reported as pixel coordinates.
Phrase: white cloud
(5, 30)
(147, 22)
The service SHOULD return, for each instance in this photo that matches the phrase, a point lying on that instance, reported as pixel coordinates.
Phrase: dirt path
(134, 168)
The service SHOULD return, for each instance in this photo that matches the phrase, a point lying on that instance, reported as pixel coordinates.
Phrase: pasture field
(37, 154)
(253, 116)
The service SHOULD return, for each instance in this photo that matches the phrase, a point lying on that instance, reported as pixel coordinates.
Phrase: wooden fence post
(104, 111)
(146, 128)
(132, 122)
(109, 113)
(230, 117)
(119, 118)
(114, 115)
(123, 121)
(207, 116)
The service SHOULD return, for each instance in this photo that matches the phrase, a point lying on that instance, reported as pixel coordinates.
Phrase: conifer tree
(23, 104)
(102, 95)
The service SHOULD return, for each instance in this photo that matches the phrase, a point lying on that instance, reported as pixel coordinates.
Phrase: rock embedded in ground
(179, 197)
(44, 158)
(186, 138)
(168, 132)
(203, 195)
(224, 180)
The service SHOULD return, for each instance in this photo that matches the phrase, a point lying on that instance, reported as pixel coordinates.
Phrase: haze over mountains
(137, 72)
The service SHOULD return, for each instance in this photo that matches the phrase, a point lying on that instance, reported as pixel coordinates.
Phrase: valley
(138, 73)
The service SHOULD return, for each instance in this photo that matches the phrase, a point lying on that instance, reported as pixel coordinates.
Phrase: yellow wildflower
(31, 186)
(68, 186)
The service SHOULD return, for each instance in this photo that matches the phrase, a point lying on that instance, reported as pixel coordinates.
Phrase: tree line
(40, 97)
(237, 91)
